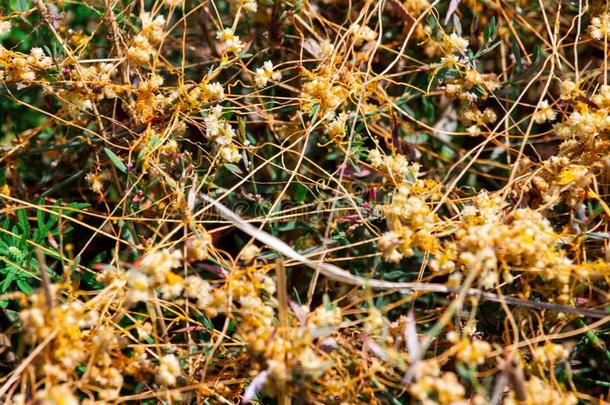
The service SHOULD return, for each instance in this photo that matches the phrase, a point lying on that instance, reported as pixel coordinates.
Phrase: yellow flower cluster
(397, 167)
(323, 91)
(265, 73)
(410, 218)
(438, 389)
(232, 43)
(540, 393)
(78, 337)
(362, 33)
(142, 47)
(21, 68)
(522, 240)
(551, 353)
(222, 133)
(600, 27)
(155, 273)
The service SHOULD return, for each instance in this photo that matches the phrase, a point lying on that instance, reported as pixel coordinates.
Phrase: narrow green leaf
(297, 5)
(22, 220)
(116, 161)
(233, 168)
(517, 54)
(314, 111)
(242, 127)
(24, 287)
(490, 30)
(300, 192)
(40, 220)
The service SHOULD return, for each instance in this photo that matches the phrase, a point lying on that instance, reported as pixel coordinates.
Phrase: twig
(282, 296)
(44, 277)
(25, 363)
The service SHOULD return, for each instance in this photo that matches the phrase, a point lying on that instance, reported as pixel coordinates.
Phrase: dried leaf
(451, 9)
(255, 387)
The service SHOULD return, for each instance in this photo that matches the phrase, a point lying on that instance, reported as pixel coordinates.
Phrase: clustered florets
(231, 42)
(600, 26)
(142, 47)
(263, 74)
(222, 133)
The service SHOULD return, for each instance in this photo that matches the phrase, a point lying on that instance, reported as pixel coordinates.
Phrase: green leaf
(116, 161)
(24, 287)
(154, 141)
(78, 205)
(536, 53)
(297, 5)
(233, 168)
(429, 110)
(486, 49)
(326, 302)
(40, 220)
(90, 280)
(432, 23)
(290, 226)
(300, 192)
(4, 286)
(20, 5)
(232, 326)
(517, 54)
(207, 323)
(490, 30)
(242, 127)
(393, 275)
(315, 109)
(464, 372)
(22, 221)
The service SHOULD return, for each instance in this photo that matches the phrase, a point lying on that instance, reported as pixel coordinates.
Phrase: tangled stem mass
(308, 201)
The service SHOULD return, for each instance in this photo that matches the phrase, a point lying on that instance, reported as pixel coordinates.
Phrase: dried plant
(304, 201)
